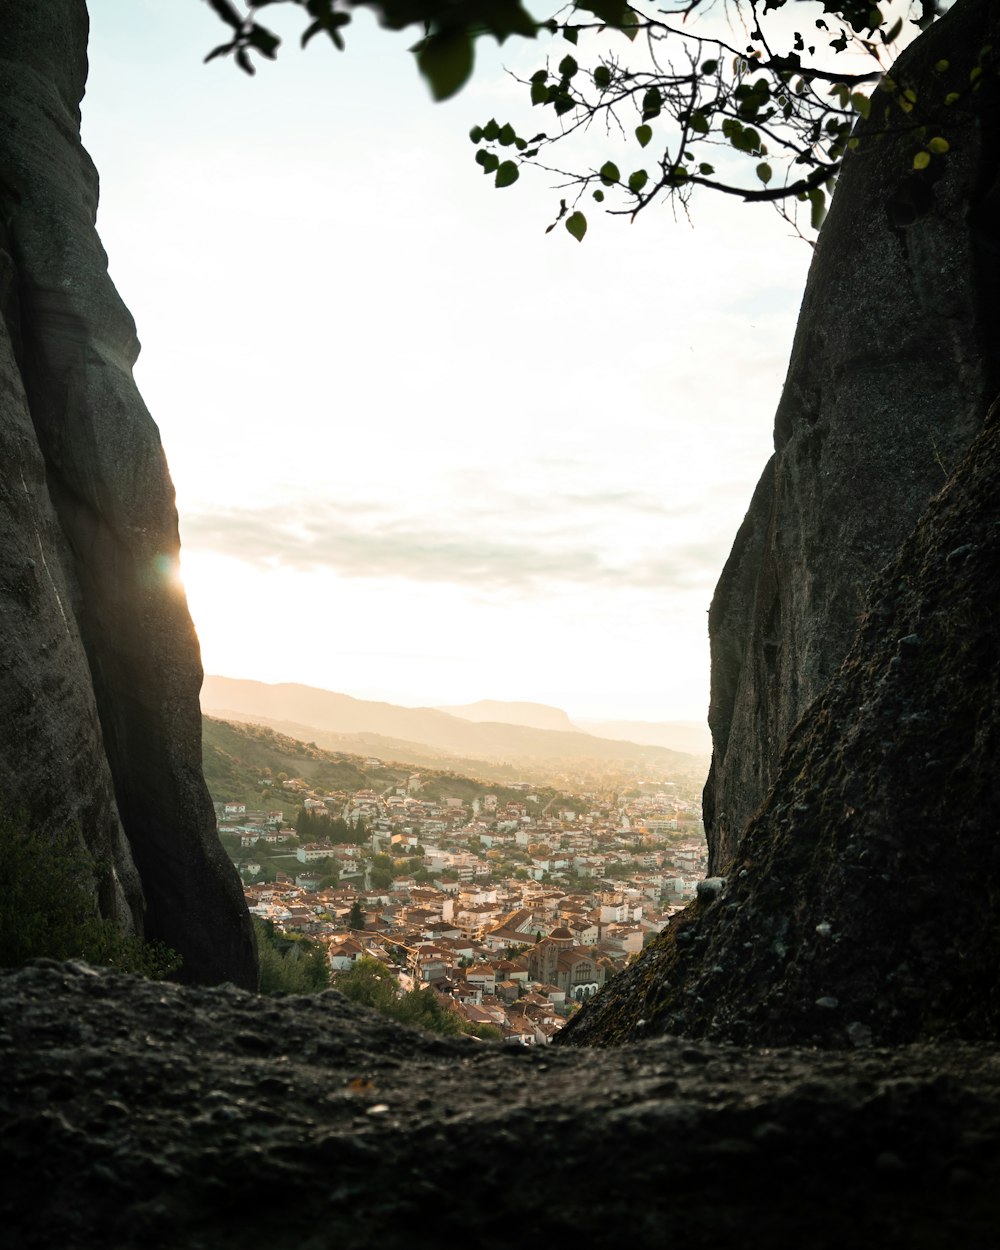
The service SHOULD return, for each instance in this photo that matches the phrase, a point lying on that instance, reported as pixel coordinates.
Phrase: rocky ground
(139, 1113)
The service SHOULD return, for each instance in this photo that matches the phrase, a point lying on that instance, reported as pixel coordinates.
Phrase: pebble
(889, 1163)
(711, 888)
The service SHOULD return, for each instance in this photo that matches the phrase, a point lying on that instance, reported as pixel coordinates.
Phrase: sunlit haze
(424, 451)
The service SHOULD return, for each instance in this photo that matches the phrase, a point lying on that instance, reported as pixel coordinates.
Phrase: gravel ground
(137, 1113)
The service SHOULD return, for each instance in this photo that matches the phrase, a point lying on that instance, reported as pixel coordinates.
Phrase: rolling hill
(430, 736)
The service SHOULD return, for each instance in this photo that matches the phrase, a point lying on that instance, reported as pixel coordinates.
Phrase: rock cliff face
(99, 664)
(858, 904)
(862, 905)
(894, 364)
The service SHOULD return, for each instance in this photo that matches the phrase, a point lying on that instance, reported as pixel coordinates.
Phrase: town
(513, 907)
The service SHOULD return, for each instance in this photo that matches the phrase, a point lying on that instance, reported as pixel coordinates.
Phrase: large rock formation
(99, 664)
(859, 902)
(862, 904)
(894, 364)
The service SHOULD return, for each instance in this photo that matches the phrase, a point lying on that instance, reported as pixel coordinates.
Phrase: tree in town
(426, 1010)
(369, 983)
(757, 102)
(329, 873)
(356, 916)
(372, 984)
(381, 872)
(289, 963)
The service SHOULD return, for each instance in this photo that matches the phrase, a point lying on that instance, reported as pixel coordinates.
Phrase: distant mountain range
(530, 715)
(489, 731)
(691, 737)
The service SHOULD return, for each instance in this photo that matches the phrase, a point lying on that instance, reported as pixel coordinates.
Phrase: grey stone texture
(99, 663)
(855, 793)
(861, 905)
(894, 365)
(142, 1114)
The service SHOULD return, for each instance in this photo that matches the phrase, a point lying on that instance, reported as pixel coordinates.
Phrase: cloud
(328, 536)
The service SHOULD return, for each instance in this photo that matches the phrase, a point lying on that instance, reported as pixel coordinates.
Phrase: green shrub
(371, 983)
(288, 964)
(47, 906)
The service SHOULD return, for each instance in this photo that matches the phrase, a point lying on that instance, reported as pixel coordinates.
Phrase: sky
(424, 451)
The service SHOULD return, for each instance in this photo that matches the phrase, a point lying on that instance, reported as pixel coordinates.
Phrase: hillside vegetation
(239, 757)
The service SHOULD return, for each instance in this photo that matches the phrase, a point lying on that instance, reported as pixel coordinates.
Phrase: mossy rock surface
(862, 903)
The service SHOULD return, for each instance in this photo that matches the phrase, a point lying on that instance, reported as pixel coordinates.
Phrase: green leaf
(507, 135)
(488, 160)
(939, 145)
(817, 198)
(706, 169)
(609, 173)
(709, 67)
(861, 103)
(563, 103)
(491, 130)
(507, 174)
(228, 14)
(637, 180)
(314, 29)
(643, 133)
(614, 13)
(445, 60)
(764, 172)
(539, 93)
(598, 195)
(476, 134)
(568, 67)
(576, 224)
(921, 160)
(699, 123)
(264, 41)
(570, 34)
(502, 20)
(602, 77)
(222, 50)
(652, 102)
